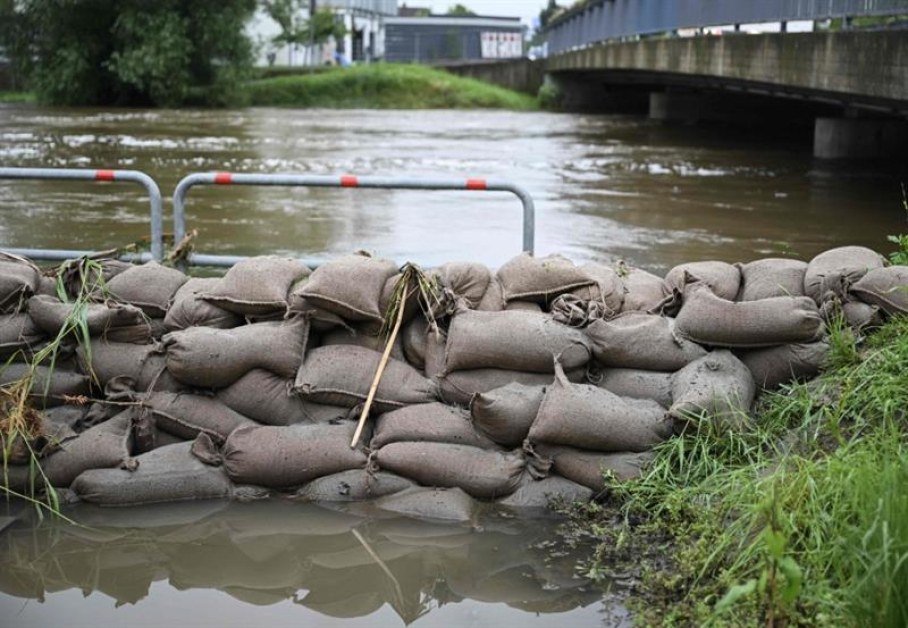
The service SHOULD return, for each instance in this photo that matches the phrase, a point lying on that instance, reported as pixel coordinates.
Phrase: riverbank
(383, 86)
(16, 97)
(803, 520)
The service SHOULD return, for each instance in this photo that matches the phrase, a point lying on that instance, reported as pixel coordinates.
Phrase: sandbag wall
(540, 380)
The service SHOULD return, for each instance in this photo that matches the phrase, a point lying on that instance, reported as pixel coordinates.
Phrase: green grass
(17, 97)
(384, 86)
(801, 519)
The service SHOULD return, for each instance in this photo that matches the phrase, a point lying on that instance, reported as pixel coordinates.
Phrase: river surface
(606, 187)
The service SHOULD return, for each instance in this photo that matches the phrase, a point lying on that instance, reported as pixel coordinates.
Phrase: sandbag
(321, 320)
(482, 473)
(774, 366)
(257, 286)
(186, 415)
(589, 468)
(718, 385)
(528, 278)
(607, 288)
(886, 288)
(505, 414)
(349, 286)
(581, 415)
(413, 342)
(206, 357)
(265, 397)
(493, 299)
(641, 341)
(342, 374)
(523, 306)
(643, 291)
(41, 441)
(362, 337)
(284, 457)
(430, 422)
(50, 387)
(19, 336)
(103, 446)
(723, 279)
(439, 504)
(833, 272)
(459, 387)
(19, 279)
(191, 309)
(771, 277)
(352, 486)
(149, 287)
(115, 322)
(143, 364)
(464, 280)
(520, 341)
(571, 310)
(167, 474)
(709, 320)
(636, 383)
(533, 493)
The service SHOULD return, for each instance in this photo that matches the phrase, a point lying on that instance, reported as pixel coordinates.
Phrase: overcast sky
(525, 10)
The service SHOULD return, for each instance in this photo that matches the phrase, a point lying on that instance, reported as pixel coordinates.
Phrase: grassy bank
(802, 520)
(384, 86)
(16, 97)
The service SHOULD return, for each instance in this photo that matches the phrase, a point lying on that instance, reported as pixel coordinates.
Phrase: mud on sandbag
(267, 398)
(520, 341)
(50, 387)
(589, 468)
(886, 288)
(19, 336)
(149, 287)
(505, 414)
(833, 272)
(439, 504)
(190, 309)
(773, 366)
(288, 457)
(19, 279)
(582, 415)
(350, 286)
(718, 386)
(458, 388)
(709, 320)
(352, 486)
(186, 415)
(428, 422)
(635, 383)
(215, 358)
(257, 286)
(528, 278)
(643, 291)
(116, 322)
(482, 473)
(542, 493)
(641, 341)
(342, 374)
(771, 277)
(143, 365)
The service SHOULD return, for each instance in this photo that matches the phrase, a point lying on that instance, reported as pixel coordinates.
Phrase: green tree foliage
(131, 52)
(300, 32)
(460, 10)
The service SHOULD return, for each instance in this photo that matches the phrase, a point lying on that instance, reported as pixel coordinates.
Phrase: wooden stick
(381, 368)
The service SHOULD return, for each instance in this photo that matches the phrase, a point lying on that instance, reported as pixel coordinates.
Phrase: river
(606, 187)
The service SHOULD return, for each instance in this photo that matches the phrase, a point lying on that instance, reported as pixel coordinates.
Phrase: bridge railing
(601, 20)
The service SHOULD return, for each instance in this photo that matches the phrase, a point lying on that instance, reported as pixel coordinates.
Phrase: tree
(460, 10)
(316, 30)
(134, 52)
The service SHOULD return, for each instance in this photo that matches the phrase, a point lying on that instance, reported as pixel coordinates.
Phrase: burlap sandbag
(533, 493)
(771, 277)
(363, 337)
(774, 366)
(505, 414)
(190, 309)
(641, 341)
(722, 278)
(520, 341)
(145, 365)
(433, 504)
(103, 446)
(528, 278)
(20, 336)
(284, 457)
(886, 288)
(581, 415)
(50, 387)
(320, 319)
(265, 397)
(349, 286)
(833, 272)
(709, 320)
(342, 374)
(643, 291)
(167, 474)
(493, 299)
(464, 280)
(116, 322)
(206, 357)
(856, 314)
(635, 383)
(523, 306)
(428, 422)
(589, 468)
(413, 342)
(149, 287)
(607, 289)
(718, 385)
(258, 285)
(187, 415)
(459, 387)
(353, 486)
(482, 473)
(19, 279)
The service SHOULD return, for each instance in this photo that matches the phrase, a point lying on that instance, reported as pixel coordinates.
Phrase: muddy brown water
(606, 187)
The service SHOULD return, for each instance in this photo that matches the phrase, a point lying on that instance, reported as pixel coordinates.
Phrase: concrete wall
(522, 75)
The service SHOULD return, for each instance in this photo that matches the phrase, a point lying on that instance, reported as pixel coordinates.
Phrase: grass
(17, 97)
(384, 86)
(800, 520)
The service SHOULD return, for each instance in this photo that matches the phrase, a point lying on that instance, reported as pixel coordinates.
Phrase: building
(439, 38)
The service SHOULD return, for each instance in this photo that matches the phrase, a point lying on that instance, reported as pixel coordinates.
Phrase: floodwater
(606, 187)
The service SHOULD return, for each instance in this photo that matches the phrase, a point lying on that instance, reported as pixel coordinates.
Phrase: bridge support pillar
(675, 106)
(856, 138)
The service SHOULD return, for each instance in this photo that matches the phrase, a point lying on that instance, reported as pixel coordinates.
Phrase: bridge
(690, 60)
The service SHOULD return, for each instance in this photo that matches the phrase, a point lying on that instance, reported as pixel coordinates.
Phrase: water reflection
(332, 562)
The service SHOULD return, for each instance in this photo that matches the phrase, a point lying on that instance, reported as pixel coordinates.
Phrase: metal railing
(79, 174)
(345, 181)
(602, 20)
